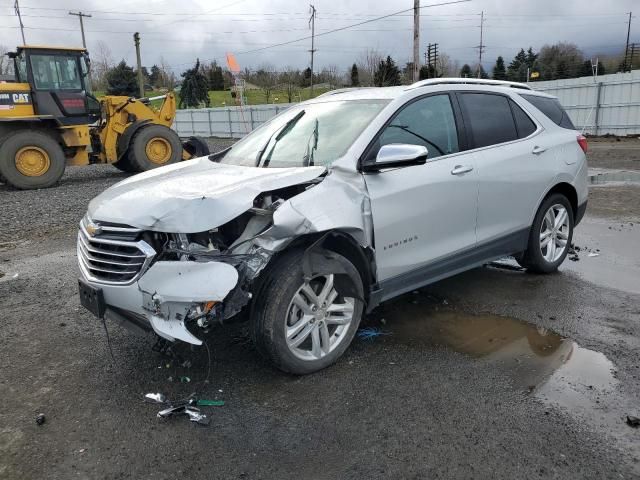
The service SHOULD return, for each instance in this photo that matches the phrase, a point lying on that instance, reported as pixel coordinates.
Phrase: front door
(423, 213)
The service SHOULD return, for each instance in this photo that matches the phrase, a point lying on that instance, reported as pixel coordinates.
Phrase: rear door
(513, 163)
(423, 213)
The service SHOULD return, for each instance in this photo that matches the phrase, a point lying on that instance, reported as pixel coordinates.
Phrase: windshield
(56, 72)
(305, 135)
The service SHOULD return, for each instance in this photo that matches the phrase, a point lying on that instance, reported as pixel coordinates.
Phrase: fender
(125, 138)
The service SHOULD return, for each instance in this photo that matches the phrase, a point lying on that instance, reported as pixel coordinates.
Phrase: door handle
(460, 169)
(538, 150)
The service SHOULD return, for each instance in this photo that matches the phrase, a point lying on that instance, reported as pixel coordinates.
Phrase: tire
(31, 159)
(274, 310)
(196, 147)
(157, 140)
(124, 164)
(538, 257)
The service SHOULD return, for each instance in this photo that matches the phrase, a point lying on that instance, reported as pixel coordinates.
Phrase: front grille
(112, 255)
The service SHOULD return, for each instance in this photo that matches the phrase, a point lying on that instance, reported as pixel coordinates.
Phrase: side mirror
(398, 155)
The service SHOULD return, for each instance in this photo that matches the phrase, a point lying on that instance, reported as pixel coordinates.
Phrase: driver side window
(429, 122)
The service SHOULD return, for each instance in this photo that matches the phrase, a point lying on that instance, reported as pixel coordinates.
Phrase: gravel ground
(623, 154)
(419, 401)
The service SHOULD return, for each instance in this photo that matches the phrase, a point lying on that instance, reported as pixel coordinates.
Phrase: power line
(353, 25)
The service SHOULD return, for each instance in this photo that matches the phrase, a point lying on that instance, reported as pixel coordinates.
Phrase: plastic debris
(156, 397)
(369, 333)
(185, 379)
(202, 402)
(40, 419)
(633, 421)
(188, 407)
(593, 254)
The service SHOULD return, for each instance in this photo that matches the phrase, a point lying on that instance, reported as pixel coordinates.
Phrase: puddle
(599, 178)
(617, 264)
(554, 369)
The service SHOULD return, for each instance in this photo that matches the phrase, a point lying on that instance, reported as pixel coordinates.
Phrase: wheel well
(568, 191)
(345, 245)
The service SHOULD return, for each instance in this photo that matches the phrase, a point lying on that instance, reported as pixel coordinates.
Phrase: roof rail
(341, 90)
(469, 81)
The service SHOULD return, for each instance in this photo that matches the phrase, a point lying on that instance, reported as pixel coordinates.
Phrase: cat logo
(21, 98)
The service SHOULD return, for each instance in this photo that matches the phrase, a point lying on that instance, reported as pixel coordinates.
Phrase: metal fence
(608, 104)
(226, 122)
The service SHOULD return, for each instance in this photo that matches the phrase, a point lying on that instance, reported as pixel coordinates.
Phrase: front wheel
(300, 326)
(550, 236)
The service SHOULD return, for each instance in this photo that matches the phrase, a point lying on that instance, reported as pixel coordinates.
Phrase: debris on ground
(633, 421)
(593, 254)
(185, 379)
(40, 419)
(188, 406)
(369, 333)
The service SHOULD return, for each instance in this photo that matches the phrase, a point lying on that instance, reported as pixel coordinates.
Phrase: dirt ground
(623, 153)
(495, 373)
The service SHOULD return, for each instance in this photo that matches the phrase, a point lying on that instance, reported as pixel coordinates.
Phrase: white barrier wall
(225, 122)
(608, 104)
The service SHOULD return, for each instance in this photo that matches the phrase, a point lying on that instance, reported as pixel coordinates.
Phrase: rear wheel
(154, 146)
(196, 147)
(550, 235)
(124, 164)
(31, 159)
(300, 326)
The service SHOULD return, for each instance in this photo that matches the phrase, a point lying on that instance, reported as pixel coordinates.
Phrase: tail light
(582, 141)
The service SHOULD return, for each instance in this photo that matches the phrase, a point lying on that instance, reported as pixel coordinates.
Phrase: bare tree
(290, 80)
(6, 63)
(367, 64)
(266, 78)
(167, 77)
(445, 66)
(101, 62)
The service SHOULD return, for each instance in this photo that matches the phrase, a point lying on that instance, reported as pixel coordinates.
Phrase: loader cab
(59, 81)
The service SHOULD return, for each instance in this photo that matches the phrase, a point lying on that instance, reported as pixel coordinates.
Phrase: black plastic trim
(449, 266)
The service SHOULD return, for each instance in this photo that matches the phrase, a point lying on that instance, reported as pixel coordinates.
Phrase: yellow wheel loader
(50, 119)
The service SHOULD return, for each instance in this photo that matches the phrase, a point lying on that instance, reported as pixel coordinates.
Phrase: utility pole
(626, 48)
(312, 24)
(16, 6)
(80, 15)
(481, 46)
(416, 40)
(136, 39)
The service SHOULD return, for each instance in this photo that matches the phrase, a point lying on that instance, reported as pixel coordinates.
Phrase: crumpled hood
(191, 196)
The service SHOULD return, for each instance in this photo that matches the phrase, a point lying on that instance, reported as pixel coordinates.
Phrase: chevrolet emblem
(93, 229)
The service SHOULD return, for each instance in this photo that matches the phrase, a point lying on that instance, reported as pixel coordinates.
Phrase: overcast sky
(182, 30)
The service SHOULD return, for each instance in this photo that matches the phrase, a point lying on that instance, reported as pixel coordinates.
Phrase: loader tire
(154, 146)
(30, 159)
(124, 164)
(196, 147)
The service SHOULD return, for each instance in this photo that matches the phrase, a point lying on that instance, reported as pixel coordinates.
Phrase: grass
(254, 97)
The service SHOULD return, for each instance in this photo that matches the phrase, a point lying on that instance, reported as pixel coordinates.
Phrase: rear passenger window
(524, 124)
(551, 108)
(489, 118)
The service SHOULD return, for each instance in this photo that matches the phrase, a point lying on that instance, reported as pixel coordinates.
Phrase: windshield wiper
(307, 159)
(278, 135)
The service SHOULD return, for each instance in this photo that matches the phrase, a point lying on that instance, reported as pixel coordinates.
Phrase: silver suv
(332, 207)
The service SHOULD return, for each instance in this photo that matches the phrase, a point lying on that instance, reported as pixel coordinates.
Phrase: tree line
(560, 60)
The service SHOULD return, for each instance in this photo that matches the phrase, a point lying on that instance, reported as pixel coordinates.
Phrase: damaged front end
(178, 283)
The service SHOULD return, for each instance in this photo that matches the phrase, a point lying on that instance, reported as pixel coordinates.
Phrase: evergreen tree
(387, 73)
(154, 76)
(465, 71)
(499, 70)
(194, 89)
(122, 80)
(214, 77)
(306, 77)
(355, 81)
(517, 70)
(531, 58)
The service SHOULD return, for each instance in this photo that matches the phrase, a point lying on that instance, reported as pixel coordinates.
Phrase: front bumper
(167, 295)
